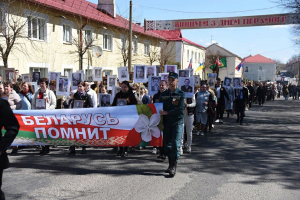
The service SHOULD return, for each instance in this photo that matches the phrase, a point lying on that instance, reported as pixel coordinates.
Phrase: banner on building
(135, 125)
(225, 22)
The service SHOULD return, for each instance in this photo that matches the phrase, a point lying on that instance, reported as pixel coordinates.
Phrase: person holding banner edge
(173, 106)
(11, 125)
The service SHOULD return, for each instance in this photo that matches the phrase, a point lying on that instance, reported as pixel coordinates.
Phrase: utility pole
(130, 38)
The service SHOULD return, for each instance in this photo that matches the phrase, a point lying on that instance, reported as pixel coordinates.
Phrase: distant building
(232, 61)
(259, 68)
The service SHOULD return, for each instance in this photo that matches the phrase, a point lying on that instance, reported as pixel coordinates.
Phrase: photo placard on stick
(26, 77)
(104, 81)
(236, 83)
(164, 76)
(212, 75)
(184, 73)
(40, 104)
(153, 86)
(151, 71)
(63, 86)
(53, 76)
(78, 104)
(197, 80)
(227, 82)
(211, 82)
(9, 75)
(140, 74)
(97, 74)
(36, 77)
(111, 81)
(76, 78)
(121, 102)
(34, 86)
(158, 70)
(170, 68)
(186, 84)
(104, 100)
(123, 74)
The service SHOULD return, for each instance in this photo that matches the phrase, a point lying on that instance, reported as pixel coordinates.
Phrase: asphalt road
(258, 160)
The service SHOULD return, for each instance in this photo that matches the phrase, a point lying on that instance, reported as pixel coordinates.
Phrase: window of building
(67, 33)
(147, 48)
(107, 42)
(44, 71)
(199, 60)
(188, 55)
(123, 44)
(37, 28)
(88, 37)
(135, 46)
(260, 68)
(196, 57)
(192, 55)
(68, 72)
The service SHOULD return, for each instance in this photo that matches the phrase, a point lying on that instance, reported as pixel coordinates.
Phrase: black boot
(72, 150)
(47, 148)
(83, 151)
(43, 151)
(173, 169)
(169, 168)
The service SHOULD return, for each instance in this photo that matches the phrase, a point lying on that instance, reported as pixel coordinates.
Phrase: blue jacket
(26, 102)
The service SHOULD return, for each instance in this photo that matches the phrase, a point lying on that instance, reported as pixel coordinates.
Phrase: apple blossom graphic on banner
(135, 125)
(226, 22)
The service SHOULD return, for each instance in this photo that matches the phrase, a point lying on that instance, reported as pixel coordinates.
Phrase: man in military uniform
(11, 125)
(173, 106)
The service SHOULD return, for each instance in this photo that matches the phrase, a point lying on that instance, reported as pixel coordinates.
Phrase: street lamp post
(130, 38)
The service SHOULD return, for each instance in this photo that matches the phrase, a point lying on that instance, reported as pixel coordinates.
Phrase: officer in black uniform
(173, 106)
(11, 125)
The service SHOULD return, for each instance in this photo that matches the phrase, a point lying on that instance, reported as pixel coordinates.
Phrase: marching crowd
(181, 115)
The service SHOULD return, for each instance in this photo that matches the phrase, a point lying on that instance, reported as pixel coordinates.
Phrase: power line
(205, 12)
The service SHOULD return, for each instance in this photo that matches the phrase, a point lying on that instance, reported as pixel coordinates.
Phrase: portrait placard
(76, 79)
(151, 71)
(153, 86)
(7, 75)
(34, 86)
(197, 80)
(123, 74)
(53, 76)
(40, 104)
(121, 102)
(170, 68)
(164, 76)
(186, 84)
(212, 75)
(89, 75)
(111, 81)
(26, 77)
(184, 73)
(78, 104)
(36, 77)
(104, 100)
(104, 81)
(211, 82)
(236, 83)
(227, 82)
(97, 74)
(140, 74)
(63, 86)
(158, 70)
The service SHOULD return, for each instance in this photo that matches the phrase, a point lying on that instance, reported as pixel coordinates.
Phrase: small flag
(191, 64)
(240, 65)
(201, 65)
(217, 64)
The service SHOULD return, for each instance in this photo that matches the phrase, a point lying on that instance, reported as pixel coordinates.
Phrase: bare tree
(13, 23)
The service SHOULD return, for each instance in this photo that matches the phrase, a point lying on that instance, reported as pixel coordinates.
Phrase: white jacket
(93, 95)
(50, 99)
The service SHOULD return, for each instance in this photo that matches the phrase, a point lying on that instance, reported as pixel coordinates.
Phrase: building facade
(55, 32)
(259, 68)
(232, 61)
